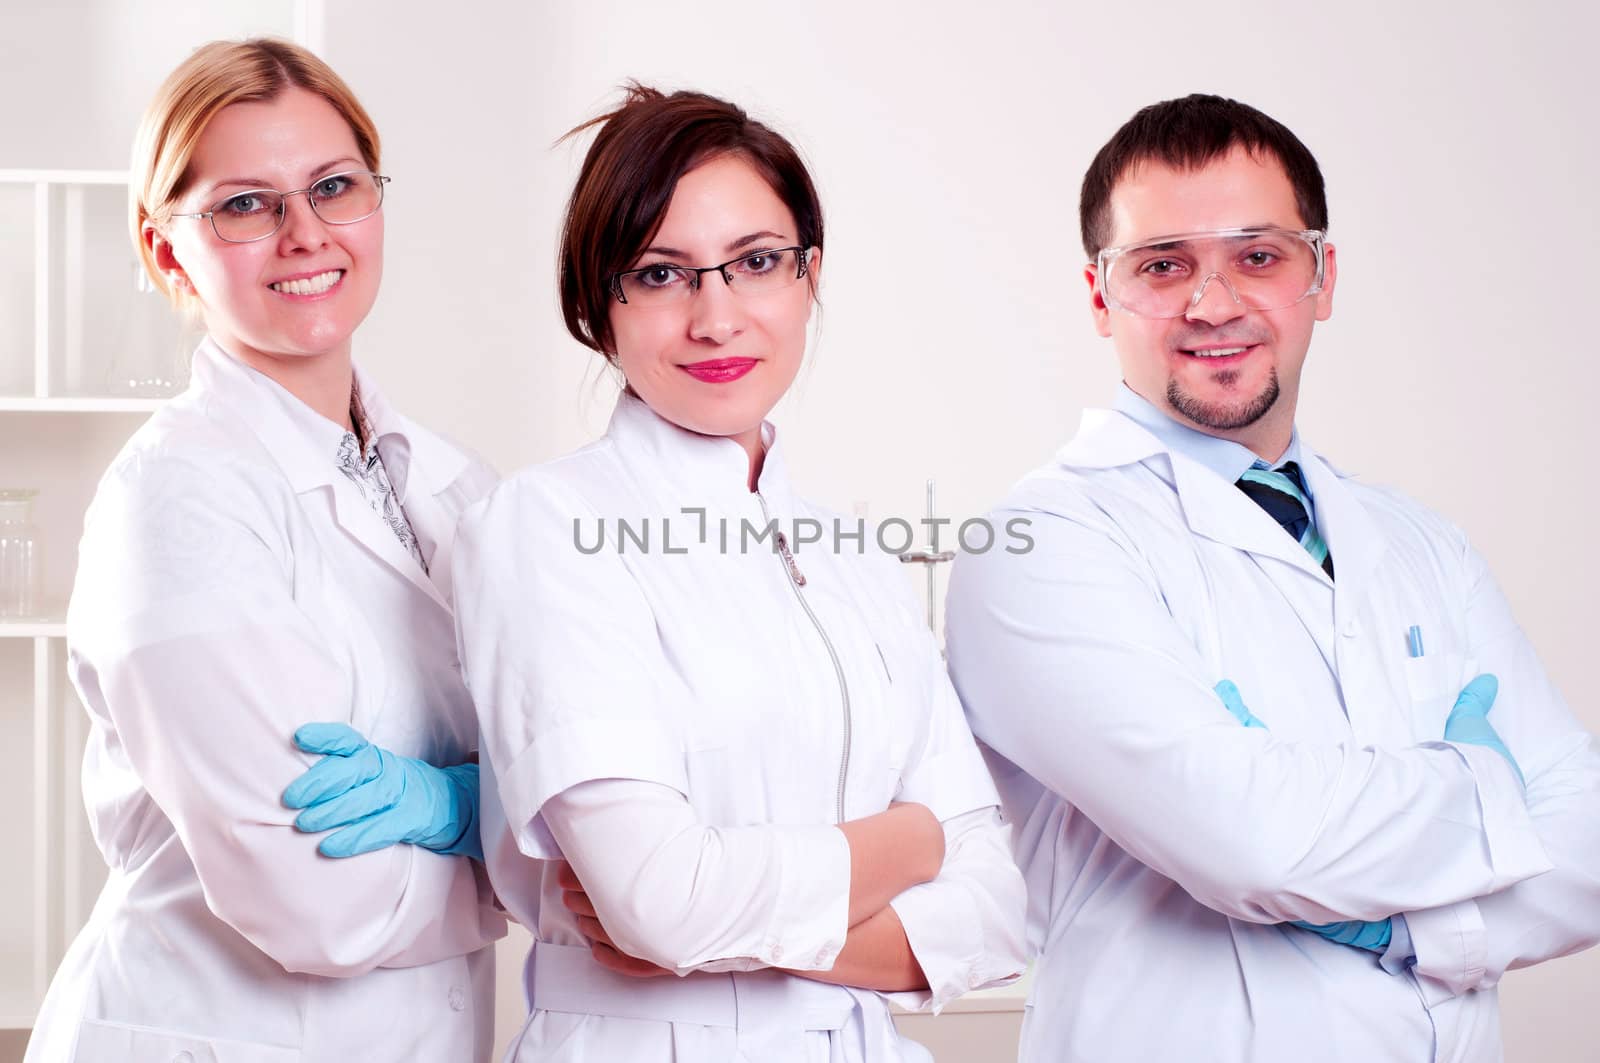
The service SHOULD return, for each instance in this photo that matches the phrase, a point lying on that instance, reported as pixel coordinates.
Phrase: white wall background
(949, 139)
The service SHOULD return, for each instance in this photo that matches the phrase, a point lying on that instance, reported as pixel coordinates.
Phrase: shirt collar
(1224, 457)
(315, 448)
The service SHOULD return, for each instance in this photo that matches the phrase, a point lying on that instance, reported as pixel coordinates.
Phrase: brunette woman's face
(717, 360)
(302, 291)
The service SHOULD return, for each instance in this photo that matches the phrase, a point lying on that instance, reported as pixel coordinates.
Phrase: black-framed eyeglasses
(663, 283)
(255, 214)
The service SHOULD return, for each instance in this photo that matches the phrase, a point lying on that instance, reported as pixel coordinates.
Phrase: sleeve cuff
(1451, 948)
(965, 927)
(1515, 853)
(556, 760)
(812, 916)
(945, 941)
(1399, 956)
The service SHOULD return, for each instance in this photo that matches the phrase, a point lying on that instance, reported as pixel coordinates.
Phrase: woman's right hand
(576, 900)
(900, 847)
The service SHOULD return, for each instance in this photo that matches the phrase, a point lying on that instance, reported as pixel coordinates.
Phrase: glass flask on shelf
(19, 555)
(110, 334)
(151, 360)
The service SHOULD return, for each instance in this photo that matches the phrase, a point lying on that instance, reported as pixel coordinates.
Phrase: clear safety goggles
(1261, 268)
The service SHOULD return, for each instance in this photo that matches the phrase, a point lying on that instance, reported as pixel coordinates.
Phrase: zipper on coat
(797, 580)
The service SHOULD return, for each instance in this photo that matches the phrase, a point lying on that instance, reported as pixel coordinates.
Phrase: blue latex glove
(1234, 702)
(1374, 937)
(1469, 720)
(381, 799)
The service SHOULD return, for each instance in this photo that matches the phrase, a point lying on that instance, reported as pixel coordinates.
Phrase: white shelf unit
(75, 312)
(49, 899)
(100, 339)
(69, 404)
(52, 626)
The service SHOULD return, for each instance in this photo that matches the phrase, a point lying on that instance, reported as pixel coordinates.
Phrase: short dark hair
(627, 181)
(1187, 134)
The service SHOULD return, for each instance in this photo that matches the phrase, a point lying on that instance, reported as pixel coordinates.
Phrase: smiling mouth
(1216, 352)
(309, 285)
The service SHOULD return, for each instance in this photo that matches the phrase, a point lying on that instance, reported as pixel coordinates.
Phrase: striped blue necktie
(1282, 493)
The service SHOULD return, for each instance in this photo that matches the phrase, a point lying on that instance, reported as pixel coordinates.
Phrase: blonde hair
(217, 75)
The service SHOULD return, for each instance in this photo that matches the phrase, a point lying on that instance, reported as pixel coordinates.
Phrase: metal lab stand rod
(932, 557)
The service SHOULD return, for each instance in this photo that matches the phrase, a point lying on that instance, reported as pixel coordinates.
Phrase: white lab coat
(232, 585)
(1162, 841)
(702, 673)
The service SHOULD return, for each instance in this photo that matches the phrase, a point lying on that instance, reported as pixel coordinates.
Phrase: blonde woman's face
(302, 291)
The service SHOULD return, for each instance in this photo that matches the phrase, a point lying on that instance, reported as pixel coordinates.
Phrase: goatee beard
(1224, 417)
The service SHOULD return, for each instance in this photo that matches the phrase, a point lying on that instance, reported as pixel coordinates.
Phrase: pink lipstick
(720, 370)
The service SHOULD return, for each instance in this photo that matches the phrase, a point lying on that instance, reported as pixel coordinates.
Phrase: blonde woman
(269, 549)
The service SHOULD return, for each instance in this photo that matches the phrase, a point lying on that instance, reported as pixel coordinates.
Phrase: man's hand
(604, 950)
(1469, 720)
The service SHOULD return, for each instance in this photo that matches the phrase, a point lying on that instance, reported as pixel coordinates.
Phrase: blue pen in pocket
(1414, 641)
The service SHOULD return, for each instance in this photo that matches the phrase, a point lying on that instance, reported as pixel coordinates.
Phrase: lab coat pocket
(100, 1041)
(1434, 682)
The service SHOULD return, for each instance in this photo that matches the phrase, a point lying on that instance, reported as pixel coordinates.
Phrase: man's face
(1248, 396)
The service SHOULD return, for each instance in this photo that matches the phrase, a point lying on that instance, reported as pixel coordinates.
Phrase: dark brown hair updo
(628, 177)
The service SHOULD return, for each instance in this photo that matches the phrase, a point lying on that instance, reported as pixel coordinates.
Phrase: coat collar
(304, 445)
(693, 469)
(1216, 509)
(1224, 457)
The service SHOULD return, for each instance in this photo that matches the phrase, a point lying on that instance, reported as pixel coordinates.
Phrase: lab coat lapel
(1353, 538)
(1212, 507)
(433, 501)
(246, 397)
(357, 519)
(435, 528)
(1219, 511)
(426, 484)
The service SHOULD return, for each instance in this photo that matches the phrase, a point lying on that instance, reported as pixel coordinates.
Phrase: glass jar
(19, 556)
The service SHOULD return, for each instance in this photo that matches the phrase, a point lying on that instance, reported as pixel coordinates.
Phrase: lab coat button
(458, 998)
(1350, 630)
(777, 952)
(183, 1057)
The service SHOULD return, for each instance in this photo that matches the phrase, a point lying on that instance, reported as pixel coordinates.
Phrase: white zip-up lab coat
(1162, 842)
(232, 585)
(774, 709)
